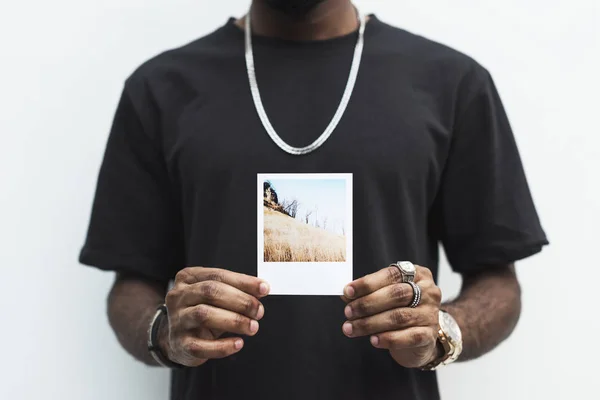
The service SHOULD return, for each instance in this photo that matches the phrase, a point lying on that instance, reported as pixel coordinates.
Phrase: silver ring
(407, 270)
(416, 294)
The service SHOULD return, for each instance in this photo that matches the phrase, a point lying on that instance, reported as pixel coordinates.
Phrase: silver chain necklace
(341, 108)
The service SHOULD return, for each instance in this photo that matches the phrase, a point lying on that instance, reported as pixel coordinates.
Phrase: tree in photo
(290, 207)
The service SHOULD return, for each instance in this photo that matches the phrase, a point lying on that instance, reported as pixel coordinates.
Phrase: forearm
(487, 310)
(132, 303)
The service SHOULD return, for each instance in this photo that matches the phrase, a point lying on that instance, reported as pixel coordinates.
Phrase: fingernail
(261, 312)
(347, 328)
(238, 344)
(348, 312)
(374, 340)
(349, 291)
(253, 326)
(264, 288)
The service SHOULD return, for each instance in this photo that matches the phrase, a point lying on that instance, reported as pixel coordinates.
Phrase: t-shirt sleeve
(484, 213)
(135, 224)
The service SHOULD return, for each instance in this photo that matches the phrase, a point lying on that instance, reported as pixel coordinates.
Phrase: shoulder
(195, 57)
(431, 66)
(423, 55)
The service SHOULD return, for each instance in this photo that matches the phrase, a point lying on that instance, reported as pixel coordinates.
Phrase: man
(433, 159)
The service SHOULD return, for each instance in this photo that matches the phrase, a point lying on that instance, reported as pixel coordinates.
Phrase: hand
(378, 305)
(205, 303)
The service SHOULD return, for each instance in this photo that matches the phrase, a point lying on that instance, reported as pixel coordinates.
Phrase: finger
(207, 316)
(390, 320)
(222, 295)
(392, 296)
(246, 283)
(404, 339)
(211, 349)
(372, 282)
(387, 298)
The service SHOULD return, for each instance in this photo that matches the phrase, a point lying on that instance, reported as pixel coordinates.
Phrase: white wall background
(62, 64)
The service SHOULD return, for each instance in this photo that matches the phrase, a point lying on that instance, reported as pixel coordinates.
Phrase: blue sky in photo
(326, 196)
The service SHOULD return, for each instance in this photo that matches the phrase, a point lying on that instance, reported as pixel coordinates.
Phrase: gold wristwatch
(450, 338)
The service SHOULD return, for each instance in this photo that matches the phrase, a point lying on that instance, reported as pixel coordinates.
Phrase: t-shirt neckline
(372, 24)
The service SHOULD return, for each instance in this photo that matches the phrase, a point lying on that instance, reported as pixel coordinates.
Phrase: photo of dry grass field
(304, 221)
(287, 239)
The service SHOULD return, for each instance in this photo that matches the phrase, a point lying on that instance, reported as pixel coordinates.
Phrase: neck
(328, 19)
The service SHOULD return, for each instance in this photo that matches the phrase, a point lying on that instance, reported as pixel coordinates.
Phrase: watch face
(407, 267)
(450, 327)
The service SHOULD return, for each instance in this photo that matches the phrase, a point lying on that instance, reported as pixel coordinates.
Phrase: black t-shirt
(433, 160)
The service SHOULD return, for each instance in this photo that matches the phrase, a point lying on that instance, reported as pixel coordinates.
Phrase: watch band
(450, 341)
(153, 347)
(435, 364)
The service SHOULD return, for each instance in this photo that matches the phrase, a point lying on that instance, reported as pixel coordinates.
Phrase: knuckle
(360, 325)
(418, 338)
(202, 313)
(399, 317)
(174, 297)
(192, 347)
(181, 275)
(215, 275)
(171, 297)
(398, 291)
(360, 307)
(241, 321)
(209, 290)
(436, 294)
(425, 272)
(250, 306)
(184, 276)
(394, 274)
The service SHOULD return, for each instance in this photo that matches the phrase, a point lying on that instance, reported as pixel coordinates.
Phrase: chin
(293, 7)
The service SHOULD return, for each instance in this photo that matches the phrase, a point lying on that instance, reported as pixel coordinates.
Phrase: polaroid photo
(305, 232)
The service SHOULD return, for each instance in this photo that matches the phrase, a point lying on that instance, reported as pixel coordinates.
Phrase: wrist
(437, 353)
(163, 337)
(158, 339)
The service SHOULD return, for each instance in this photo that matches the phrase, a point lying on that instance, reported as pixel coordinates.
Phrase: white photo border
(305, 278)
